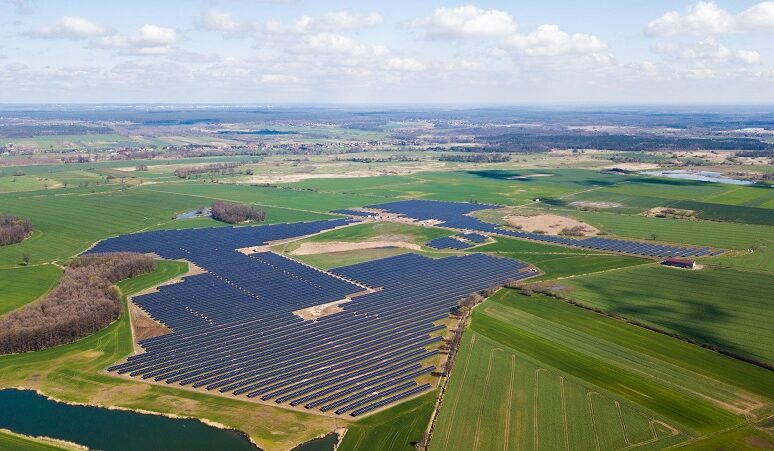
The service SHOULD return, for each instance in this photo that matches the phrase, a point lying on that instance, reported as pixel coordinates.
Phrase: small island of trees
(13, 229)
(233, 213)
(85, 301)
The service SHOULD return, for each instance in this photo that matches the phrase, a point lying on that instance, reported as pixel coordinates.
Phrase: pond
(703, 176)
(199, 213)
(327, 443)
(26, 412)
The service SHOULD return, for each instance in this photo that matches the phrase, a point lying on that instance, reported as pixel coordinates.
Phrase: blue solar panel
(233, 329)
(456, 215)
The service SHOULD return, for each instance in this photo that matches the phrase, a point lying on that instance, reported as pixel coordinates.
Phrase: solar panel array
(447, 242)
(233, 331)
(456, 215)
(473, 237)
(352, 212)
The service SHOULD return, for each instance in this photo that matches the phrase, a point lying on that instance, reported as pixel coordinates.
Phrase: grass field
(19, 286)
(557, 261)
(517, 384)
(701, 233)
(68, 223)
(73, 372)
(728, 308)
(15, 442)
(498, 399)
(395, 429)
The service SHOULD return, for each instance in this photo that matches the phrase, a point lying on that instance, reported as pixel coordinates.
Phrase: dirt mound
(551, 225)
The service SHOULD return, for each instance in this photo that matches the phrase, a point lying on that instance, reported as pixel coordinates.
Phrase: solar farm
(371, 307)
(456, 215)
(234, 331)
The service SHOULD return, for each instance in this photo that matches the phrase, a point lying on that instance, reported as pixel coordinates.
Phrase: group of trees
(85, 301)
(477, 158)
(236, 213)
(13, 229)
(217, 168)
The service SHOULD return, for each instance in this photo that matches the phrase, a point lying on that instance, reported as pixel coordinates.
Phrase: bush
(13, 229)
(85, 301)
(236, 213)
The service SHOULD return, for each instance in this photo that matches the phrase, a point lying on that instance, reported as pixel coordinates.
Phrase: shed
(679, 263)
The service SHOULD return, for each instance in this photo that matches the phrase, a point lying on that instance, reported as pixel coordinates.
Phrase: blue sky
(486, 52)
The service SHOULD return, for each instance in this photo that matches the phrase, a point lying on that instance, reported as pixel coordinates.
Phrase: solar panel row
(456, 215)
(233, 330)
(448, 243)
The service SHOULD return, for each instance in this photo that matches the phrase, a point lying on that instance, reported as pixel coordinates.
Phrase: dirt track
(324, 248)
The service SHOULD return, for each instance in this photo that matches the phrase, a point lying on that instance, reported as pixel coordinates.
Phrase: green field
(19, 286)
(727, 308)
(15, 442)
(394, 429)
(68, 223)
(519, 384)
(74, 372)
(700, 233)
(557, 261)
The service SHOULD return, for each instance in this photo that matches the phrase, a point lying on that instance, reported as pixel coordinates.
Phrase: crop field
(728, 308)
(533, 372)
(701, 233)
(15, 442)
(19, 286)
(73, 372)
(553, 396)
(498, 399)
(557, 261)
(395, 429)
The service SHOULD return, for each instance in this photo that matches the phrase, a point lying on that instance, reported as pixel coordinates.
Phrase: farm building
(679, 263)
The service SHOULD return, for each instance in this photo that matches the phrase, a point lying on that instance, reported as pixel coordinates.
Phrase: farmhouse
(679, 263)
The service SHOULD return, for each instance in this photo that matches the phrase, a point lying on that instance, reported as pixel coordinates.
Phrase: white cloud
(279, 78)
(705, 18)
(549, 40)
(219, 21)
(707, 52)
(466, 21)
(335, 21)
(148, 40)
(153, 36)
(759, 17)
(340, 44)
(405, 64)
(71, 28)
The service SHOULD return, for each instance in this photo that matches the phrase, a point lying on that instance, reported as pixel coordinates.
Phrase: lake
(703, 176)
(26, 412)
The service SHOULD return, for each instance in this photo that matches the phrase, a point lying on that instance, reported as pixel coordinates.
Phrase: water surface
(26, 412)
(703, 176)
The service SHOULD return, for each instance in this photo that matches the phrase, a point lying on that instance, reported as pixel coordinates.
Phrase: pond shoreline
(204, 421)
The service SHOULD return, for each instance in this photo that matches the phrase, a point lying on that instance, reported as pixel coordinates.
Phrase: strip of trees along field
(13, 229)
(236, 213)
(85, 301)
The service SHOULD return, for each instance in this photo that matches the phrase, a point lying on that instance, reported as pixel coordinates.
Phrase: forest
(13, 229)
(85, 301)
(233, 213)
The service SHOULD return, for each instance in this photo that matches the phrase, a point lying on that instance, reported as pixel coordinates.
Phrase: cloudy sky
(397, 52)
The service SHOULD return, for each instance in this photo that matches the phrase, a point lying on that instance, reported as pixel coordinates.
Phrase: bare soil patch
(324, 248)
(144, 326)
(633, 166)
(674, 213)
(590, 204)
(318, 311)
(550, 224)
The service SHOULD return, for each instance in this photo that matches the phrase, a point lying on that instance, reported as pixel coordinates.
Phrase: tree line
(233, 213)
(84, 301)
(13, 229)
